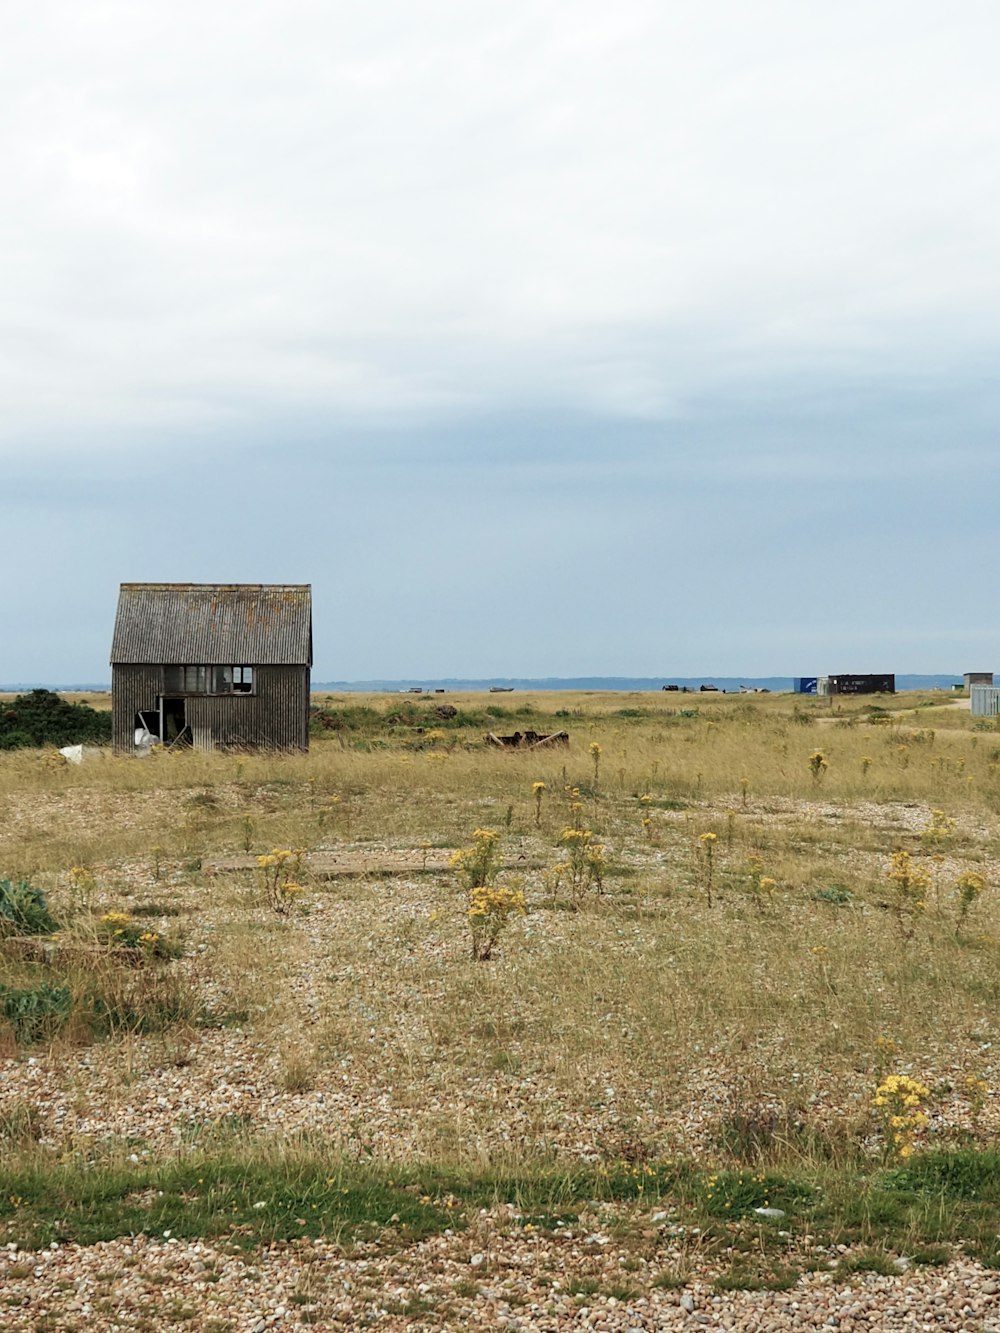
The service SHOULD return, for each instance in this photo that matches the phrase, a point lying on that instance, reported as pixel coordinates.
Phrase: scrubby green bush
(42, 717)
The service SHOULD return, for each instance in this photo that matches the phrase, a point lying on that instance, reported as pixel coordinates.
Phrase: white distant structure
(985, 700)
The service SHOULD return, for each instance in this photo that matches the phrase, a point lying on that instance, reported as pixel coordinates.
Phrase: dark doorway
(173, 721)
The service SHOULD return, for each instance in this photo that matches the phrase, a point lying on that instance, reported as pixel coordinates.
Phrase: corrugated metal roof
(253, 624)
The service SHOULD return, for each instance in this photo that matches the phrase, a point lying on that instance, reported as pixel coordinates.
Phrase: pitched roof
(251, 624)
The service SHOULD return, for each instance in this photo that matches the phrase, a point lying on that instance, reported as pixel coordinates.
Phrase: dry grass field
(742, 916)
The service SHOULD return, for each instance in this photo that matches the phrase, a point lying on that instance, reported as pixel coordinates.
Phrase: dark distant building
(212, 665)
(857, 684)
(977, 678)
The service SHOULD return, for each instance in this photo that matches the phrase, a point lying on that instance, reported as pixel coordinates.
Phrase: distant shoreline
(608, 684)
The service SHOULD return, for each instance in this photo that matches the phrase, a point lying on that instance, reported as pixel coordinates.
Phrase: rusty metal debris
(526, 740)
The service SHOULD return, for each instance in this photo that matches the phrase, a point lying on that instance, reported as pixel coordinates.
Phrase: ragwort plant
(279, 872)
(118, 931)
(490, 905)
(969, 889)
(886, 1050)
(490, 908)
(900, 1101)
(706, 849)
(585, 864)
(82, 883)
(977, 1090)
(595, 755)
(938, 831)
(909, 883)
(538, 791)
(761, 886)
(646, 823)
(477, 865)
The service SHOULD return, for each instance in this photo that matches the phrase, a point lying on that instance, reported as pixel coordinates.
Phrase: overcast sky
(543, 338)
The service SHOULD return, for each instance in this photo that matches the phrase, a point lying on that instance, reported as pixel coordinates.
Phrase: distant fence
(985, 700)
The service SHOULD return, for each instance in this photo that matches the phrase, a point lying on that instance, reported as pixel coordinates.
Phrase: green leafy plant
(35, 1012)
(835, 894)
(23, 910)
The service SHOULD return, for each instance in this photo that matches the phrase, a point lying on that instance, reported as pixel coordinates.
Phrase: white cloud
(385, 209)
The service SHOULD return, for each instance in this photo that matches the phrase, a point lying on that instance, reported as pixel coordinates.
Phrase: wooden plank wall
(275, 716)
(133, 688)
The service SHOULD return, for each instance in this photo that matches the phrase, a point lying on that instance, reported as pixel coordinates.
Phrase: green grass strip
(256, 1196)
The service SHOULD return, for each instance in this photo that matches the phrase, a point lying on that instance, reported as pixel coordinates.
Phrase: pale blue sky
(550, 341)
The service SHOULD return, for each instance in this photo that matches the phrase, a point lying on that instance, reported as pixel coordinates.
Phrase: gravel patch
(487, 1278)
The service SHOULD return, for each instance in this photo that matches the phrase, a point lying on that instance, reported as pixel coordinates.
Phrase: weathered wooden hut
(212, 665)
